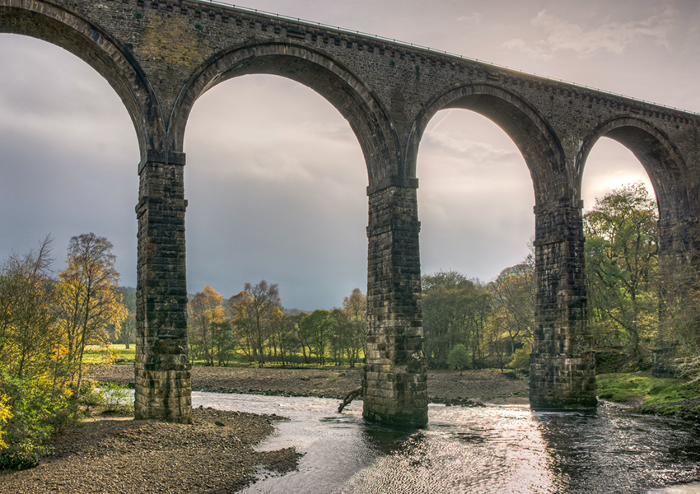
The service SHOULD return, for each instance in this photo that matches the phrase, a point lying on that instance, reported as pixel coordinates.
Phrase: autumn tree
(89, 299)
(205, 309)
(253, 310)
(28, 336)
(514, 302)
(316, 329)
(355, 308)
(621, 266)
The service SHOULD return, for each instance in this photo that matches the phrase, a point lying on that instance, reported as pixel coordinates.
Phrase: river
(494, 449)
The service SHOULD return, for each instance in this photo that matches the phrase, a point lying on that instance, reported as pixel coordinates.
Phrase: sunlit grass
(108, 354)
(655, 390)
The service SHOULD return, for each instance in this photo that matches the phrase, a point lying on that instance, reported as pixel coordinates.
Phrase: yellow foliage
(5, 415)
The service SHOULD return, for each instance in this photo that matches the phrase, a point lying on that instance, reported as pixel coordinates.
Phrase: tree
(304, 341)
(283, 335)
(444, 280)
(459, 358)
(89, 299)
(340, 328)
(679, 326)
(496, 335)
(514, 302)
(238, 308)
(128, 330)
(28, 336)
(205, 308)
(315, 328)
(252, 311)
(355, 308)
(621, 265)
(223, 341)
(455, 310)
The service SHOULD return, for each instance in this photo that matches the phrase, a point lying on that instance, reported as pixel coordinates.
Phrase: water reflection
(472, 450)
(608, 451)
(461, 452)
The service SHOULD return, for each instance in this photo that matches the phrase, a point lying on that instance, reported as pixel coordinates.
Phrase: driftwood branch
(349, 397)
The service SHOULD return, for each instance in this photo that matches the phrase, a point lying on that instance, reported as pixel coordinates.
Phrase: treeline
(469, 324)
(634, 307)
(45, 324)
(632, 310)
(252, 326)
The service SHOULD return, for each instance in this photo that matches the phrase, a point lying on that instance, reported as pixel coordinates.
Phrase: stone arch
(516, 117)
(45, 21)
(655, 151)
(346, 92)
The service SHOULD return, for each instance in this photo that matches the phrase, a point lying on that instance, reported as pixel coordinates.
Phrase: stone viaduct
(161, 55)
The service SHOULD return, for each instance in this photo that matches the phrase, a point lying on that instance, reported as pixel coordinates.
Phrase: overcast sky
(275, 177)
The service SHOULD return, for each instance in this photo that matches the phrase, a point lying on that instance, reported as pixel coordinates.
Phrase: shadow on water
(472, 450)
(609, 451)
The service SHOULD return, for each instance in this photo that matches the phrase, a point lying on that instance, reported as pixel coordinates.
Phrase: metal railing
(432, 50)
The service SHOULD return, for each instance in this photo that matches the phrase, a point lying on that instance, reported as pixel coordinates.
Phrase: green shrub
(459, 358)
(37, 410)
(5, 415)
(521, 357)
(90, 395)
(117, 398)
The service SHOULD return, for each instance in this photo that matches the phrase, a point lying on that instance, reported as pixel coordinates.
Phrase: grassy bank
(663, 396)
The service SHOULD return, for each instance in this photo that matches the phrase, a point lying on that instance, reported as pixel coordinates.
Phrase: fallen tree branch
(349, 397)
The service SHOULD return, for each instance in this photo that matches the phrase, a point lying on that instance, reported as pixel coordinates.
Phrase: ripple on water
(473, 450)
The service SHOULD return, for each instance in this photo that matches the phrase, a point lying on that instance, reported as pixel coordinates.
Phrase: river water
(494, 449)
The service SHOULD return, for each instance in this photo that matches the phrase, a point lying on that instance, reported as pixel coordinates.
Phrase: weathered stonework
(160, 56)
(395, 387)
(562, 363)
(162, 366)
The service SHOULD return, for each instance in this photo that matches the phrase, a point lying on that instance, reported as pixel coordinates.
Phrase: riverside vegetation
(49, 326)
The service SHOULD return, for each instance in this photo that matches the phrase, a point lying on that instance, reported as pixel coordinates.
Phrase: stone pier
(395, 387)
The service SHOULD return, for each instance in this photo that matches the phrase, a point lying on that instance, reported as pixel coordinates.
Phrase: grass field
(110, 354)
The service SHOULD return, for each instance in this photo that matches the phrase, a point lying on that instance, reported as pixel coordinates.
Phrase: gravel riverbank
(443, 386)
(122, 455)
(215, 455)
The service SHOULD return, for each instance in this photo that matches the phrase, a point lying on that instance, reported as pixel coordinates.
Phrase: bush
(90, 395)
(37, 410)
(117, 398)
(5, 415)
(459, 358)
(521, 357)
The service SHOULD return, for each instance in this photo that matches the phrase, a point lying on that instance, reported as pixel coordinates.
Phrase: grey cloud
(610, 36)
(275, 178)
